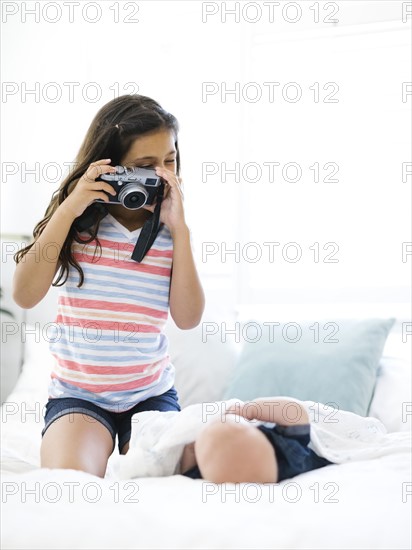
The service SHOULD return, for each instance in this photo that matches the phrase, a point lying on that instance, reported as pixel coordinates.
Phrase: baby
(234, 450)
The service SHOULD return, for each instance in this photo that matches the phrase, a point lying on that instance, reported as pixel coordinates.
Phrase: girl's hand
(87, 190)
(171, 210)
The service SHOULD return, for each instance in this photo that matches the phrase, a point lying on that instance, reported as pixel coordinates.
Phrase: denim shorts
(116, 423)
(290, 444)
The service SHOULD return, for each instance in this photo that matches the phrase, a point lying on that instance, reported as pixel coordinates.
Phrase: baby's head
(235, 451)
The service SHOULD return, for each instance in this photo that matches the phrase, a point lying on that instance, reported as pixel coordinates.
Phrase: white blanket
(158, 438)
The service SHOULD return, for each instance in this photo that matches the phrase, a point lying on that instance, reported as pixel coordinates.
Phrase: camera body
(135, 187)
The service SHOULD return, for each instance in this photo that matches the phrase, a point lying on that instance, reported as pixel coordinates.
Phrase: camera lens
(133, 196)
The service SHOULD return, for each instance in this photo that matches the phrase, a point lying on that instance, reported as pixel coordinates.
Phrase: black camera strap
(94, 212)
(149, 230)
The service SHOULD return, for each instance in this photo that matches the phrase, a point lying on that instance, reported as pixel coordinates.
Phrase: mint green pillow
(309, 364)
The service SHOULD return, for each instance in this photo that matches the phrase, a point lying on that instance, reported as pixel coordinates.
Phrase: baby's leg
(188, 459)
(235, 452)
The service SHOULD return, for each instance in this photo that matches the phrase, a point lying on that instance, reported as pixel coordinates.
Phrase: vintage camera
(135, 187)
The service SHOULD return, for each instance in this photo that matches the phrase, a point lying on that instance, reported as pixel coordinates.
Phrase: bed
(362, 504)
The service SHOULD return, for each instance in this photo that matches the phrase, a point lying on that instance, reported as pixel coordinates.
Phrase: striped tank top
(108, 341)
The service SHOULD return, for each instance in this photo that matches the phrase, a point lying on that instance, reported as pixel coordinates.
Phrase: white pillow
(203, 363)
(36, 369)
(392, 398)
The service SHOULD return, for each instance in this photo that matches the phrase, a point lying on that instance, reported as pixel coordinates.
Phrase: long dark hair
(110, 135)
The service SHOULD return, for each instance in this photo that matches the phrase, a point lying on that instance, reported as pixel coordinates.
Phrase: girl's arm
(285, 411)
(35, 272)
(186, 299)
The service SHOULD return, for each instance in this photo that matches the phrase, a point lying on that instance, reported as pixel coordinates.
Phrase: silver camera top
(125, 174)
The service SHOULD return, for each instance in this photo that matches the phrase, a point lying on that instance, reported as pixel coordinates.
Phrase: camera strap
(90, 216)
(149, 230)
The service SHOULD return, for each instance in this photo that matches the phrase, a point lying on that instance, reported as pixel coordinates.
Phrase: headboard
(18, 328)
(13, 318)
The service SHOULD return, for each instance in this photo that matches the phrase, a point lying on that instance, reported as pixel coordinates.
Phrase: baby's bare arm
(285, 411)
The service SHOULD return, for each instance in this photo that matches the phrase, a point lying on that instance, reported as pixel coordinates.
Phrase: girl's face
(153, 149)
(156, 148)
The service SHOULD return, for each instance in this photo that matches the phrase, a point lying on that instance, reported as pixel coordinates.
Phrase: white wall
(168, 54)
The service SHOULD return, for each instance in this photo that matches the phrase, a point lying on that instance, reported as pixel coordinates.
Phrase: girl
(111, 356)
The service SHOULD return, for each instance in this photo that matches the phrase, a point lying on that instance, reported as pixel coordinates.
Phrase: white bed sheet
(355, 505)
